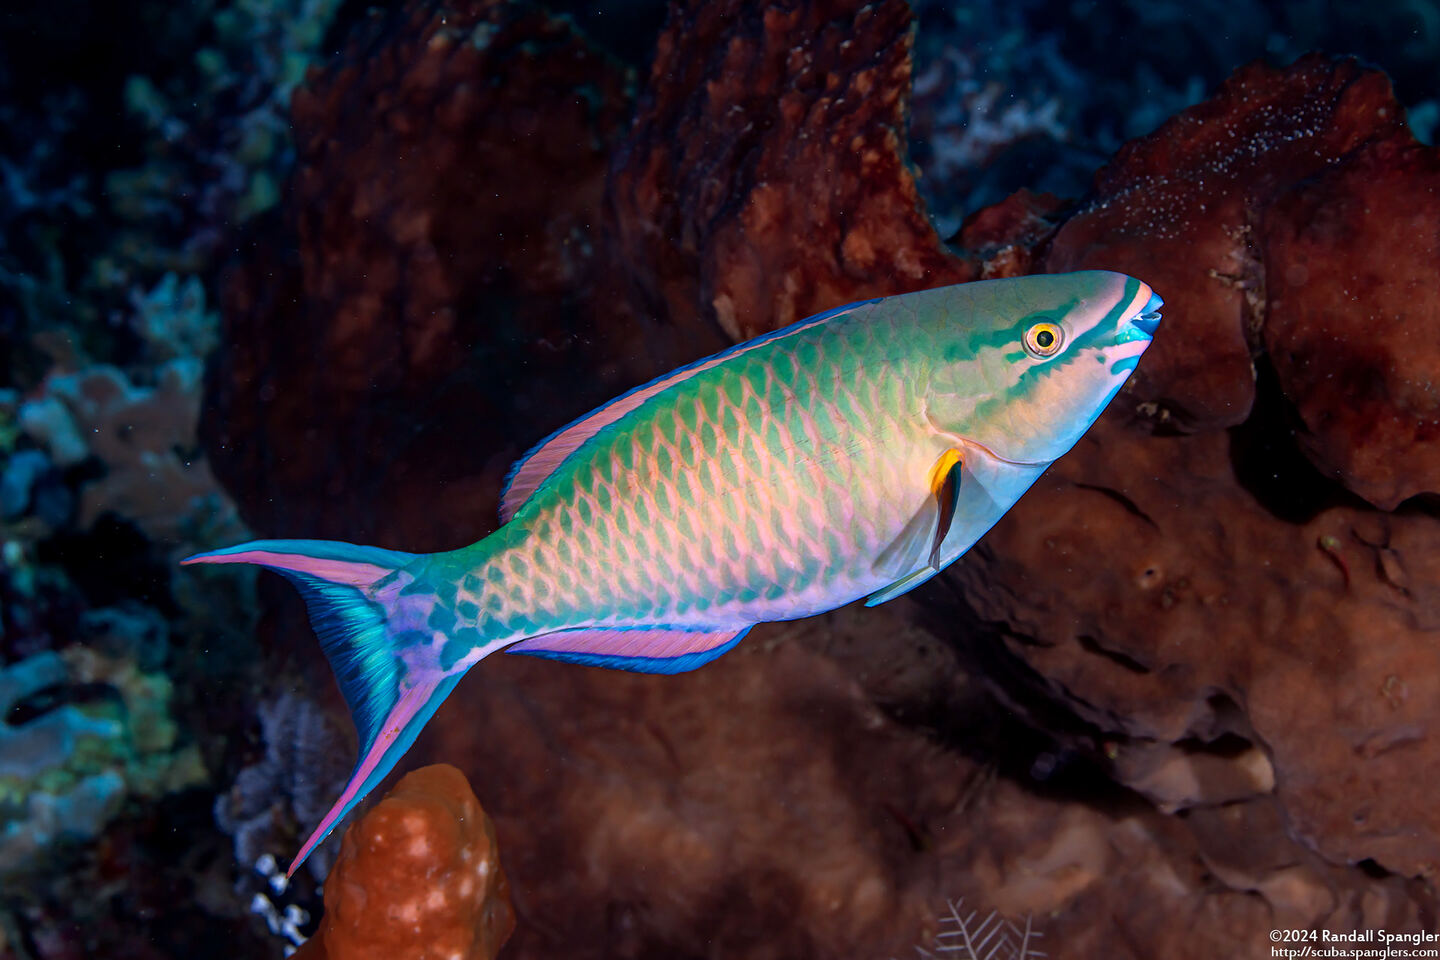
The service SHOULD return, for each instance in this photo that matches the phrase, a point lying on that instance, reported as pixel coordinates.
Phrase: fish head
(1042, 356)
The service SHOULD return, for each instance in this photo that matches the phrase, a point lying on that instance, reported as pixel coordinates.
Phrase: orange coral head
(418, 878)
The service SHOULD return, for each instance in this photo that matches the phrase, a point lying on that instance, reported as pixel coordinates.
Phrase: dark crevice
(1091, 645)
(52, 698)
(1226, 746)
(1013, 721)
(628, 32)
(1268, 462)
(1373, 870)
(1130, 506)
(1422, 505)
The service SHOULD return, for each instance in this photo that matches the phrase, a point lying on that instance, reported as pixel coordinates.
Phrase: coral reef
(997, 107)
(1186, 615)
(49, 743)
(66, 770)
(982, 129)
(1219, 606)
(1257, 602)
(141, 438)
(445, 248)
(1035, 94)
(762, 125)
(419, 877)
(133, 140)
(213, 140)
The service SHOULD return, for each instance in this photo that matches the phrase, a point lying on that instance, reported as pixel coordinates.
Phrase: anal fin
(657, 649)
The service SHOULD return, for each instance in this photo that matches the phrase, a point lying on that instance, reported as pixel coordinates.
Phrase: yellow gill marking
(941, 469)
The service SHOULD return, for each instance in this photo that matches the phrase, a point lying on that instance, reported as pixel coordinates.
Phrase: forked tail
(373, 612)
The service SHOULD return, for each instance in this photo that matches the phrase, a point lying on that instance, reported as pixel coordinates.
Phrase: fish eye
(1044, 339)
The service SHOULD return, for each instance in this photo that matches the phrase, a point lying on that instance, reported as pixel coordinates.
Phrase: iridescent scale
(759, 489)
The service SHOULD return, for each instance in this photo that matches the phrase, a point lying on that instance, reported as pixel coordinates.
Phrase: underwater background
(315, 268)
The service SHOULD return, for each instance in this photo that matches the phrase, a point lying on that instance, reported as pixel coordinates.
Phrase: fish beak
(1148, 319)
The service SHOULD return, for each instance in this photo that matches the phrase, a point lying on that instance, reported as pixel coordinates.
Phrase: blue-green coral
(258, 53)
(67, 772)
(139, 437)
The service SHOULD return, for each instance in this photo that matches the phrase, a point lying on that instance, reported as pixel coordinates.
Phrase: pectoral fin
(914, 556)
(945, 488)
(902, 586)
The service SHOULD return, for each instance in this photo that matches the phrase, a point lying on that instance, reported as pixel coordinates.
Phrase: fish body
(852, 455)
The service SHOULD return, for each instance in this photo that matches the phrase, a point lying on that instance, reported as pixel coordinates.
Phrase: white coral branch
(991, 937)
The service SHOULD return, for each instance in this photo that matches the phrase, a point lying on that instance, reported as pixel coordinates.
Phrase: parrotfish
(851, 455)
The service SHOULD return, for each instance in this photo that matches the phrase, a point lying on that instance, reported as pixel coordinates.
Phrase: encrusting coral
(418, 878)
(65, 772)
(140, 436)
(1371, 410)
(1182, 207)
(709, 185)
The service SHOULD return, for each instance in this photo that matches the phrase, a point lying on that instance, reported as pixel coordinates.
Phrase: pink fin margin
(644, 642)
(335, 571)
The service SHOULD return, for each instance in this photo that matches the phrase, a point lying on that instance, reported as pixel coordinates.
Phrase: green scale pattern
(760, 488)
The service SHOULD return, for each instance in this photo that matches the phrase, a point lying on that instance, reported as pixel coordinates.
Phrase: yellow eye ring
(1044, 339)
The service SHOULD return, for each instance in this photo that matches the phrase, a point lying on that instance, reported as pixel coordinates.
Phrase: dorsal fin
(531, 470)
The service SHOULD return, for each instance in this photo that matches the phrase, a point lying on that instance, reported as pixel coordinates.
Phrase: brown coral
(436, 257)
(1179, 208)
(1248, 597)
(1351, 260)
(764, 179)
(418, 878)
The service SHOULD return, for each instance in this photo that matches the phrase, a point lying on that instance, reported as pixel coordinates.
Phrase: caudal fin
(372, 620)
